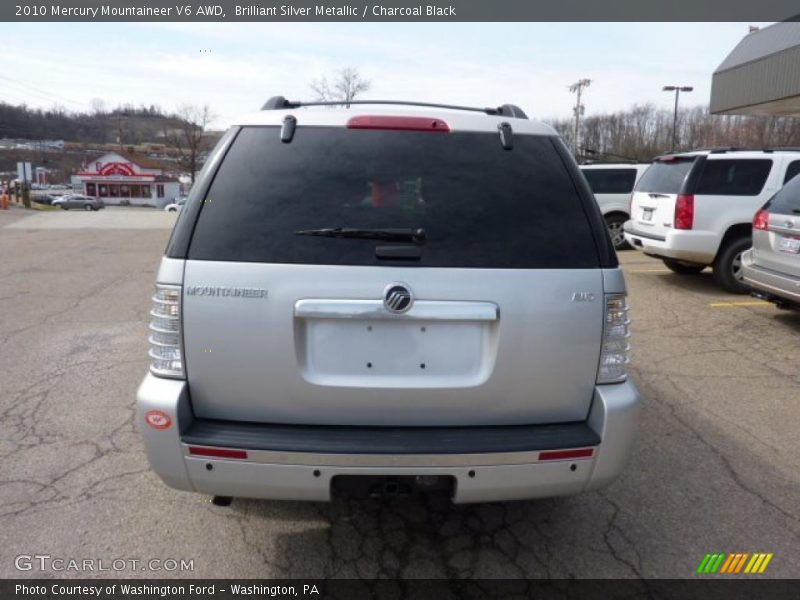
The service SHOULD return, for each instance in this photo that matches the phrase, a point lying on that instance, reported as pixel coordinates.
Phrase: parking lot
(716, 467)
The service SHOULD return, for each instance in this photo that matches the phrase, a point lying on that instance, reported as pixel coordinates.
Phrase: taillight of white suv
(166, 354)
(615, 354)
(684, 211)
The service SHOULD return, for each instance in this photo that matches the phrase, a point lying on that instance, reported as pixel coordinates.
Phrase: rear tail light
(684, 211)
(761, 220)
(615, 354)
(166, 353)
(398, 123)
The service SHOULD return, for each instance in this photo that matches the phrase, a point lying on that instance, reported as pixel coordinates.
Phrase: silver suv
(772, 265)
(389, 300)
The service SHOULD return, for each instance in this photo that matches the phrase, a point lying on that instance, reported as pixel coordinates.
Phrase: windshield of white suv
(478, 204)
(666, 176)
(610, 181)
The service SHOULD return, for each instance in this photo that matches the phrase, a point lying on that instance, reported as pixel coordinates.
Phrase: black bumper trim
(326, 439)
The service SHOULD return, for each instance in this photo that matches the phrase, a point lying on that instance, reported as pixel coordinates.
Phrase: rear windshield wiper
(416, 236)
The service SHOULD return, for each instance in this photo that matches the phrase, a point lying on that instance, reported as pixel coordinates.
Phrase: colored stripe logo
(735, 563)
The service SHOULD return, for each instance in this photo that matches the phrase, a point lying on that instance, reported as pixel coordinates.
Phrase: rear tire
(728, 266)
(87, 207)
(683, 268)
(614, 224)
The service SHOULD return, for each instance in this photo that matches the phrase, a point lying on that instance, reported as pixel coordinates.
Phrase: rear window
(666, 176)
(610, 181)
(792, 170)
(480, 205)
(787, 200)
(733, 177)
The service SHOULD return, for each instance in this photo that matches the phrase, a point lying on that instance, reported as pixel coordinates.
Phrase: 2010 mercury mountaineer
(389, 299)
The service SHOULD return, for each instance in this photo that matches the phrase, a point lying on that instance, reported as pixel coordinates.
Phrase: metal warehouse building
(761, 76)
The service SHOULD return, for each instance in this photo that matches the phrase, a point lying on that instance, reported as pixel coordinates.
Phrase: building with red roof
(120, 179)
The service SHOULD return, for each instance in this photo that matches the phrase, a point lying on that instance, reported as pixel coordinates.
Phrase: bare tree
(344, 87)
(189, 138)
(644, 131)
(98, 106)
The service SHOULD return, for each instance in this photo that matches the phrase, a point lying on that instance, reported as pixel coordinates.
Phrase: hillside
(135, 124)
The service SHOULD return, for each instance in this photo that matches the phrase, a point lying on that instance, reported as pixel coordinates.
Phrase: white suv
(612, 185)
(695, 209)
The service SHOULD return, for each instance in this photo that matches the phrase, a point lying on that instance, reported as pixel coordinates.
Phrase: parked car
(44, 198)
(78, 201)
(439, 306)
(695, 209)
(612, 184)
(772, 265)
(177, 205)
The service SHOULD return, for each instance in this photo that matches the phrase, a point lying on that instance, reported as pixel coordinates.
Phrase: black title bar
(708, 588)
(400, 10)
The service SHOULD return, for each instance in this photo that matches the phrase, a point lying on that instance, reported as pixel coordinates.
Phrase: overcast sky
(234, 67)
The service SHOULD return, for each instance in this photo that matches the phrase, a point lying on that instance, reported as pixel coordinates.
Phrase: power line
(43, 92)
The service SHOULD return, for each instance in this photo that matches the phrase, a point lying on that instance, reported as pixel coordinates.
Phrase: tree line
(184, 131)
(644, 131)
(136, 124)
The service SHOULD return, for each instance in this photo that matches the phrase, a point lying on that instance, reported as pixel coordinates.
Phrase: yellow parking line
(734, 304)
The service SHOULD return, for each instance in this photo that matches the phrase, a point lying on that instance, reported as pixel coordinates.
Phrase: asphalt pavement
(716, 466)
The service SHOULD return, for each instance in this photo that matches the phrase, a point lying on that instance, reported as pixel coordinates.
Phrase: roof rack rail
(724, 149)
(506, 110)
(710, 149)
(604, 161)
(782, 149)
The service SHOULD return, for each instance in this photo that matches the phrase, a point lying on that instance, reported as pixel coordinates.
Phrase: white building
(119, 179)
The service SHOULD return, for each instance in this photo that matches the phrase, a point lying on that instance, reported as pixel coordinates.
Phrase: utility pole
(120, 118)
(677, 89)
(577, 88)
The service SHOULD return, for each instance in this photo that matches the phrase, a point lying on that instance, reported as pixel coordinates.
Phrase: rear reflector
(398, 123)
(761, 220)
(684, 211)
(566, 454)
(217, 452)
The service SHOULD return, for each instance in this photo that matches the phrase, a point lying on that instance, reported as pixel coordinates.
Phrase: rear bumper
(691, 246)
(773, 283)
(513, 466)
